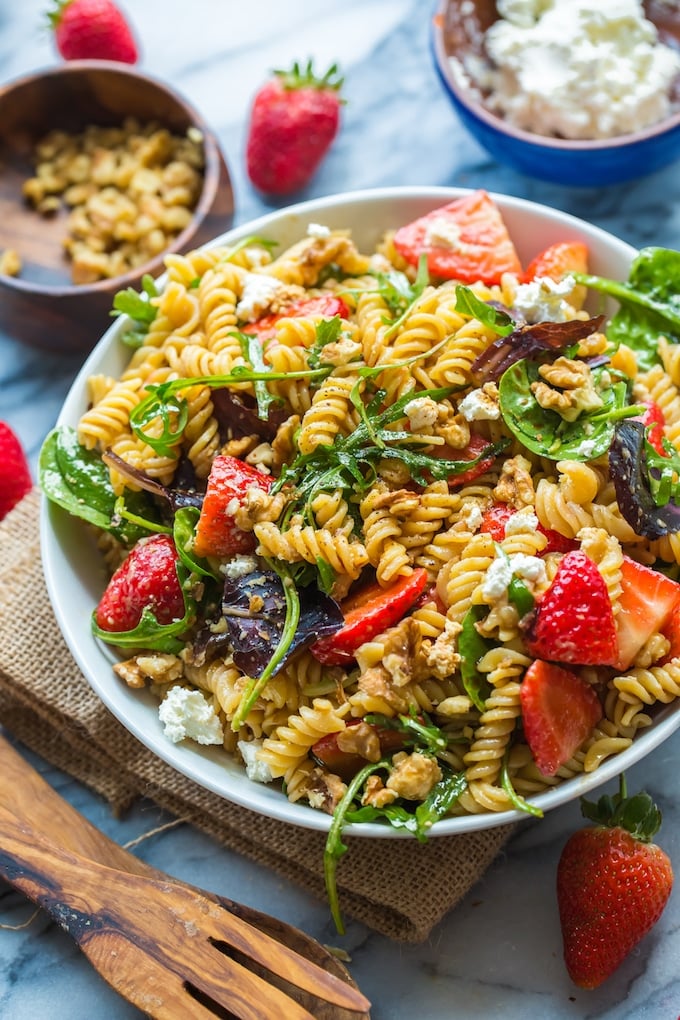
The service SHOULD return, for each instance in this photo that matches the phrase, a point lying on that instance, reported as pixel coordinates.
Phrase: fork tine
(143, 981)
(274, 956)
(158, 979)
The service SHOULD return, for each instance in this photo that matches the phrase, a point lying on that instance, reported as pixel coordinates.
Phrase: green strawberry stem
(299, 77)
(638, 814)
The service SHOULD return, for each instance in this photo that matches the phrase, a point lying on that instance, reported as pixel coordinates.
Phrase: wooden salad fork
(173, 950)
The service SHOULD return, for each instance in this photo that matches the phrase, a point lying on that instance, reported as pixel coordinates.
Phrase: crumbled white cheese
(318, 230)
(576, 69)
(523, 522)
(545, 300)
(422, 413)
(258, 293)
(479, 406)
(187, 714)
(239, 566)
(497, 579)
(256, 770)
(586, 448)
(473, 517)
(442, 232)
(529, 568)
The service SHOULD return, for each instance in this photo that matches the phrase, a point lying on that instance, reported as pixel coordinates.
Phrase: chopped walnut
(456, 432)
(341, 352)
(376, 793)
(324, 790)
(360, 739)
(591, 345)
(377, 683)
(413, 775)
(575, 379)
(283, 297)
(442, 656)
(240, 446)
(283, 446)
(159, 667)
(399, 501)
(403, 656)
(515, 485)
(259, 506)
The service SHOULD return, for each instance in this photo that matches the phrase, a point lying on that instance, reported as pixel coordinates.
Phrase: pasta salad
(398, 529)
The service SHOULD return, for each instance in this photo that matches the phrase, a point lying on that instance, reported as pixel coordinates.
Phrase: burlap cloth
(400, 888)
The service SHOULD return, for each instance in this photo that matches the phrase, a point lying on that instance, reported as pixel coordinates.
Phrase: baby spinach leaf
(76, 479)
(471, 647)
(545, 432)
(649, 303)
(184, 529)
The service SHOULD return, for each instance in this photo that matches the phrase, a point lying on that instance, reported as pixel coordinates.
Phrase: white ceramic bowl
(75, 580)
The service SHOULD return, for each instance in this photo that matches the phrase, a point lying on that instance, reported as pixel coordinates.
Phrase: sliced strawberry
(369, 612)
(653, 417)
(497, 516)
(217, 533)
(474, 449)
(465, 240)
(147, 579)
(346, 764)
(574, 621)
(647, 602)
(323, 307)
(671, 631)
(558, 260)
(495, 519)
(559, 711)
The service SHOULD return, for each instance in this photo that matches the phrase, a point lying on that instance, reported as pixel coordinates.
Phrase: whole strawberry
(612, 885)
(147, 579)
(92, 30)
(15, 476)
(294, 119)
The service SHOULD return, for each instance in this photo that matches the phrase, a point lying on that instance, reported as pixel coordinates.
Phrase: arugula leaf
(400, 294)
(254, 687)
(467, 303)
(439, 800)
(252, 352)
(138, 307)
(327, 332)
(77, 479)
(335, 848)
(184, 529)
(515, 798)
(418, 734)
(546, 432)
(161, 403)
(472, 646)
(649, 303)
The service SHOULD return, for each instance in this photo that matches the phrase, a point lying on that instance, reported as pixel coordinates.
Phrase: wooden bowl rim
(211, 178)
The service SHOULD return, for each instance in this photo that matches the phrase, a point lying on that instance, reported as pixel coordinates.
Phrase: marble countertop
(499, 952)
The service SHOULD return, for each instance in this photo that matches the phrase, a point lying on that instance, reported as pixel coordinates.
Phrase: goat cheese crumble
(187, 714)
(575, 69)
(258, 294)
(545, 300)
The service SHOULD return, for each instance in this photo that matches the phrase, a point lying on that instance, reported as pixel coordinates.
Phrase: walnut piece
(413, 775)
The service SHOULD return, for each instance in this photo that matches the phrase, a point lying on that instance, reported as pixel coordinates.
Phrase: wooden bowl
(41, 306)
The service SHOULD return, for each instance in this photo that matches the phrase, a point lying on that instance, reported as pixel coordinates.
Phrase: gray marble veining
(499, 953)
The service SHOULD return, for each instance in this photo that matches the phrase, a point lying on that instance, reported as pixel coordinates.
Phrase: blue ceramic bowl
(461, 24)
